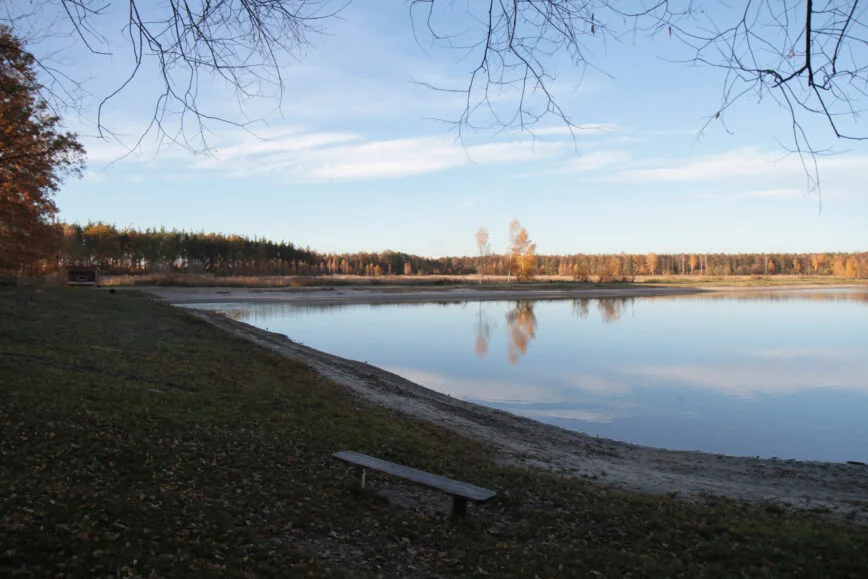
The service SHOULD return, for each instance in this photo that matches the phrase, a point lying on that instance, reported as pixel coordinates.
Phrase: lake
(769, 374)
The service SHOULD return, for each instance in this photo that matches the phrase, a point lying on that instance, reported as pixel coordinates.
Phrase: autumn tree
(818, 262)
(797, 265)
(610, 270)
(651, 262)
(522, 252)
(35, 155)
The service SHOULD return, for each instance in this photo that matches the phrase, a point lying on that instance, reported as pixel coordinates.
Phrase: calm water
(766, 374)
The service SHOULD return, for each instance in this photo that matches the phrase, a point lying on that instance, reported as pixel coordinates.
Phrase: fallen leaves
(231, 475)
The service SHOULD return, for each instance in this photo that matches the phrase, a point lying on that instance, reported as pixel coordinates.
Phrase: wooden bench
(461, 491)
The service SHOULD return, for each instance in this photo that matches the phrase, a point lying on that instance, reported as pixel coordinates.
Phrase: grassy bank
(138, 441)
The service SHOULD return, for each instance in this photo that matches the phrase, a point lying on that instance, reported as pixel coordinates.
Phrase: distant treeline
(131, 251)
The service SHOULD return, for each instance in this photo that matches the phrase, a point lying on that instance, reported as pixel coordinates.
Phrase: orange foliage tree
(34, 156)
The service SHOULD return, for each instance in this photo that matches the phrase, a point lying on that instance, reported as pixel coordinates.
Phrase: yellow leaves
(522, 251)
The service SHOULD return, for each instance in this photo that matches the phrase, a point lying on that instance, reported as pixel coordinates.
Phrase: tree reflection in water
(483, 332)
(580, 306)
(610, 309)
(521, 322)
(521, 328)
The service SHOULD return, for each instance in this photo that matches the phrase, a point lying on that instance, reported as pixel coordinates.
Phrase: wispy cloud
(596, 160)
(596, 385)
(592, 129)
(739, 163)
(748, 381)
(94, 177)
(827, 355)
(781, 193)
(277, 143)
(344, 156)
(571, 414)
(748, 165)
(490, 391)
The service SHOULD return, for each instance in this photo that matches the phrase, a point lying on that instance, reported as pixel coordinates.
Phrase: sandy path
(839, 488)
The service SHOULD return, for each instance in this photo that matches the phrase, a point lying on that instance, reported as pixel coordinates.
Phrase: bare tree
(514, 227)
(184, 43)
(483, 246)
(810, 56)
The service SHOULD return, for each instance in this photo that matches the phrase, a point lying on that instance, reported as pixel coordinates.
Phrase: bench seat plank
(447, 485)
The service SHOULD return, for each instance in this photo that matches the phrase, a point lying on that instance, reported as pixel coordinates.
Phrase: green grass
(136, 440)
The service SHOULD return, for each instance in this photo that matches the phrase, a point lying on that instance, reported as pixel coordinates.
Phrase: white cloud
(750, 164)
(596, 160)
(781, 193)
(490, 391)
(596, 385)
(94, 177)
(576, 131)
(750, 380)
(344, 156)
(583, 415)
(280, 142)
(738, 163)
(822, 354)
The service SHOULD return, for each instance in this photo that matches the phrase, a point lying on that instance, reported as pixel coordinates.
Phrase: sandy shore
(841, 489)
(387, 294)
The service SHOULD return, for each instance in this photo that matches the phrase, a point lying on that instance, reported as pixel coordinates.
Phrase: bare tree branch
(185, 42)
(809, 56)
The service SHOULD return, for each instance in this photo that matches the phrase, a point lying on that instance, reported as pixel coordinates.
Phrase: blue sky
(355, 158)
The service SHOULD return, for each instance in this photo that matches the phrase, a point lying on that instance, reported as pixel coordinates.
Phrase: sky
(359, 156)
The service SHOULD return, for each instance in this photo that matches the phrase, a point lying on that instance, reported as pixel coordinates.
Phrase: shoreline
(418, 294)
(837, 488)
(392, 294)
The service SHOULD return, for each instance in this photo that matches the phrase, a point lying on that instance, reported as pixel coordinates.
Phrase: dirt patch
(841, 489)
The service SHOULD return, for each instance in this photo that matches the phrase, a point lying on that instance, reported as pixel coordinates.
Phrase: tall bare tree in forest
(513, 231)
(34, 157)
(483, 247)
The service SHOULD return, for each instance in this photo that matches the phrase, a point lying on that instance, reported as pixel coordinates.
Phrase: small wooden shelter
(81, 275)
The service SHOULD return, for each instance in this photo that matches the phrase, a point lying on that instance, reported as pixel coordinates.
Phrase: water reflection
(753, 295)
(581, 307)
(521, 328)
(521, 325)
(760, 373)
(611, 309)
(483, 332)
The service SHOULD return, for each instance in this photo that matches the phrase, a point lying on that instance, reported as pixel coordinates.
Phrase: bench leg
(362, 485)
(459, 506)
